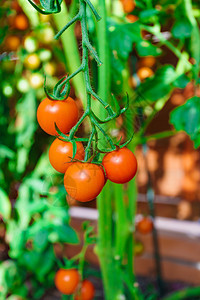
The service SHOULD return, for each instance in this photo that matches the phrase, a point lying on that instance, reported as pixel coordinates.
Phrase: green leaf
(187, 118)
(181, 81)
(157, 87)
(145, 48)
(148, 14)
(5, 205)
(40, 239)
(182, 29)
(63, 234)
(121, 38)
(5, 152)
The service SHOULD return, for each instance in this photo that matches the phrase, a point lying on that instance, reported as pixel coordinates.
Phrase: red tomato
(60, 154)
(63, 113)
(87, 291)
(145, 225)
(12, 42)
(120, 165)
(66, 281)
(21, 22)
(84, 181)
(144, 72)
(128, 5)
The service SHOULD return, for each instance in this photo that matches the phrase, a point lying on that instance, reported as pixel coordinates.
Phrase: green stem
(184, 294)
(122, 228)
(71, 53)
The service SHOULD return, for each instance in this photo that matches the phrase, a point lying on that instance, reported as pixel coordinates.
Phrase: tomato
(132, 18)
(32, 61)
(36, 80)
(66, 281)
(128, 5)
(30, 44)
(12, 42)
(120, 165)
(84, 181)
(23, 85)
(86, 292)
(145, 225)
(138, 248)
(50, 68)
(45, 55)
(144, 72)
(147, 61)
(60, 154)
(63, 113)
(7, 89)
(21, 22)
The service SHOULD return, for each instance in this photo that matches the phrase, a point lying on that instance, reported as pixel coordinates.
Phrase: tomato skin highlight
(120, 165)
(87, 291)
(145, 225)
(84, 181)
(63, 113)
(60, 154)
(66, 281)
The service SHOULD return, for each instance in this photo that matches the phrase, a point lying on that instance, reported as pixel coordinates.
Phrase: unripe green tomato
(30, 44)
(138, 248)
(46, 35)
(7, 90)
(23, 85)
(45, 55)
(36, 80)
(50, 68)
(32, 61)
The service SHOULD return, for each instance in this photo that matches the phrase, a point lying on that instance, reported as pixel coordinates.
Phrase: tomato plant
(62, 113)
(66, 281)
(61, 153)
(84, 181)
(120, 165)
(132, 44)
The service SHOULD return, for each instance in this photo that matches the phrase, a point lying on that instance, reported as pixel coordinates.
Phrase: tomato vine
(62, 88)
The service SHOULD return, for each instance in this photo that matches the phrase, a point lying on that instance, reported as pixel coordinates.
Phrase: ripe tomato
(12, 42)
(86, 292)
(128, 5)
(144, 72)
(132, 18)
(84, 181)
(120, 165)
(147, 61)
(66, 281)
(145, 225)
(60, 154)
(21, 22)
(63, 113)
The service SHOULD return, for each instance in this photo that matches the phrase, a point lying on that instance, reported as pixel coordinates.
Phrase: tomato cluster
(67, 281)
(83, 181)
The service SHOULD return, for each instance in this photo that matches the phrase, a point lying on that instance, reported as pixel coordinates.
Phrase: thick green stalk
(71, 51)
(111, 275)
